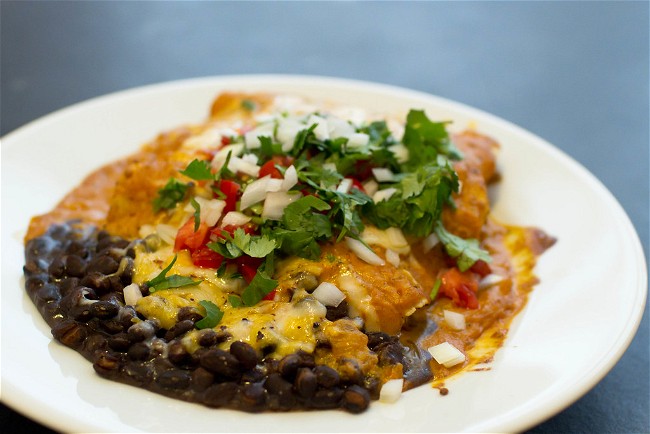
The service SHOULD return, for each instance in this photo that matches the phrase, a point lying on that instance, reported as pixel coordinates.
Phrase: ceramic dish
(566, 339)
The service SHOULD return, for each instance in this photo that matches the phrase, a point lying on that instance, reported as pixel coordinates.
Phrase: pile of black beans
(75, 275)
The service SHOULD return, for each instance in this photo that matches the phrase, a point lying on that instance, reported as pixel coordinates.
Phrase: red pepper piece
(460, 287)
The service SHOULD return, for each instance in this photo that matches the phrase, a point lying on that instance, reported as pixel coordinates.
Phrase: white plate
(567, 338)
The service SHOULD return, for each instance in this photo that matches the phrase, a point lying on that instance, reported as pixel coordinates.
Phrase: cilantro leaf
(268, 148)
(248, 105)
(162, 281)
(436, 287)
(260, 287)
(235, 301)
(168, 196)
(426, 139)
(198, 170)
(466, 252)
(197, 214)
(212, 315)
(242, 243)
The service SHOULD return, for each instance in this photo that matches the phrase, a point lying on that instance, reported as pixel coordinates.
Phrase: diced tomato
(283, 160)
(188, 238)
(231, 190)
(247, 272)
(357, 184)
(270, 296)
(249, 228)
(269, 168)
(225, 140)
(481, 268)
(205, 257)
(248, 266)
(363, 169)
(460, 287)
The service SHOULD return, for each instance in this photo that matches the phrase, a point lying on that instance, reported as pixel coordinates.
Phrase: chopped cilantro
(168, 196)
(260, 287)
(197, 214)
(248, 105)
(212, 315)
(426, 140)
(199, 170)
(434, 291)
(162, 281)
(235, 301)
(242, 243)
(465, 251)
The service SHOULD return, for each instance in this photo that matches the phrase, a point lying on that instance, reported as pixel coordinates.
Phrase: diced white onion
(146, 230)
(454, 320)
(357, 140)
(490, 280)
(329, 166)
(167, 233)
(252, 138)
(255, 192)
(322, 130)
(290, 178)
(391, 390)
(250, 158)
(370, 186)
(430, 242)
(235, 218)
(384, 194)
(393, 257)
(237, 164)
(446, 354)
(276, 202)
(132, 294)
(345, 185)
(210, 138)
(396, 237)
(363, 252)
(287, 130)
(382, 174)
(400, 152)
(220, 157)
(328, 294)
(339, 127)
(211, 210)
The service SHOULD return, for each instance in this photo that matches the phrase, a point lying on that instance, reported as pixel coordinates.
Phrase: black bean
(373, 386)
(327, 398)
(189, 313)
(140, 331)
(97, 281)
(355, 399)
(280, 391)
(377, 338)
(103, 264)
(246, 354)
(67, 284)
(178, 329)
(338, 312)
(139, 372)
(350, 371)
(201, 379)
(139, 351)
(95, 342)
(119, 342)
(220, 394)
(104, 309)
(34, 283)
(254, 375)
(289, 365)
(390, 353)
(48, 292)
(77, 248)
(252, 395)
(74, 266)
(306, 359)
(34, 267)
(112, 326)
(106, 363)
(207, 338)
(177, 353)
(220, 362)
(326, 377)
(305, 383)
(174, 379)
(80, 312)
(56, 267)
(69, 333)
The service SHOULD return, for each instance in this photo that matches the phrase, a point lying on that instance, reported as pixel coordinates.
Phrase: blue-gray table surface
(574, 73)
